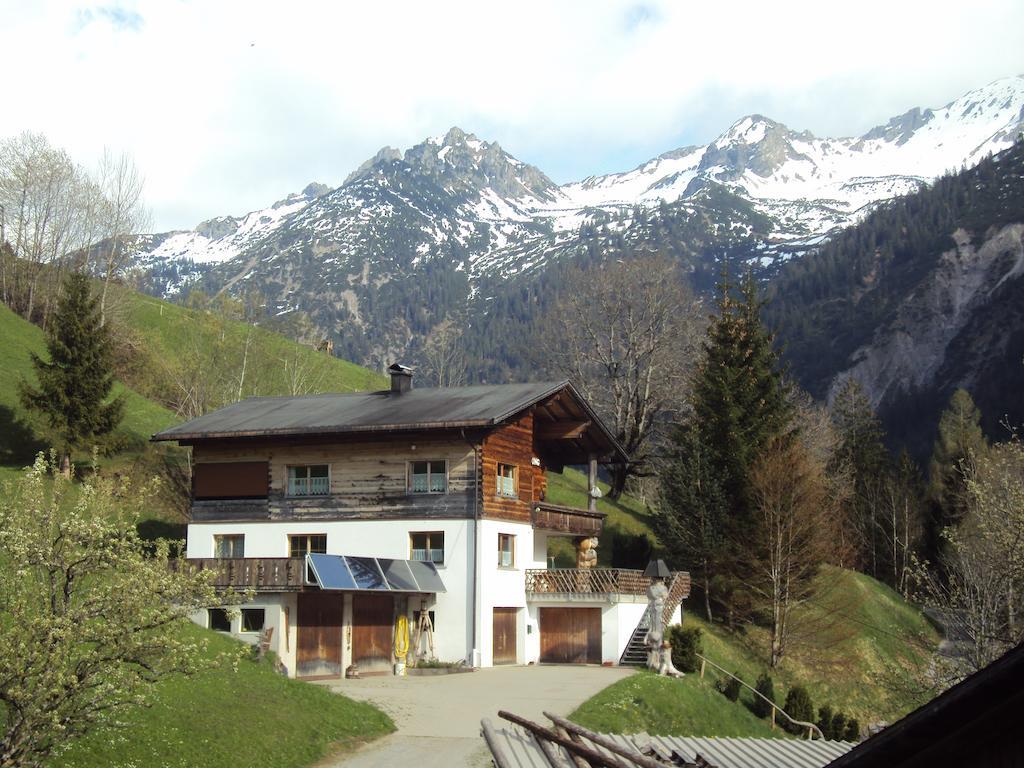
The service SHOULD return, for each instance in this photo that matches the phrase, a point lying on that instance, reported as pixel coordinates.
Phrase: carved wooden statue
(659, 651)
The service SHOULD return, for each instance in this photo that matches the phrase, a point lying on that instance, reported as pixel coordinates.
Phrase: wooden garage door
(318, 650)
(504, 646)
(570, 635)
(372, 628)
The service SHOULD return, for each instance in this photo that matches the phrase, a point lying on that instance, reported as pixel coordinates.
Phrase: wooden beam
(591, 484)
(561, 430)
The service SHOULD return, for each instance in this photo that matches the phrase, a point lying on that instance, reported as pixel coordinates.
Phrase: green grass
(626, 516)
(666, 707)
(168, 331)
(224, 718)
(19, 431)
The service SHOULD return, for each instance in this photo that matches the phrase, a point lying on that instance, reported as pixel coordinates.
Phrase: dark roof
(969, 724)
(356, 412)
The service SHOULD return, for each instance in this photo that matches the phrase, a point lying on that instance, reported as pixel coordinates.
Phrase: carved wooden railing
(554, 517)
(603, 581)
(272, 574)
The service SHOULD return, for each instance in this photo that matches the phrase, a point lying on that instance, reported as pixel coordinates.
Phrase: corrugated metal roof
(365, 411)
(524, 749)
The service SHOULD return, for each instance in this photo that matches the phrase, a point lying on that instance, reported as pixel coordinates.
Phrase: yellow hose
(401, 637)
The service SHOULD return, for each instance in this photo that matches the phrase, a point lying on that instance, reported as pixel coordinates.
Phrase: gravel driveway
(438, 717)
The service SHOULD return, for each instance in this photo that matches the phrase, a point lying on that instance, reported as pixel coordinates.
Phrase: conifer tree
(959, 443)
(76, 381)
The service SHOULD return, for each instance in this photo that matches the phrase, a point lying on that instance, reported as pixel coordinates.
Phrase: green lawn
(666, 707)
(225, 719)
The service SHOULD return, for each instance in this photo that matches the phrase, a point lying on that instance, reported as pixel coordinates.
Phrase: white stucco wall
(371, 538)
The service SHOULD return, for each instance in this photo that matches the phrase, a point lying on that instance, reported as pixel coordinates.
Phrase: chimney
(401, 378)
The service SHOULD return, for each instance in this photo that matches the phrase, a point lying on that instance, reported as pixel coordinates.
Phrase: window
(252, 619)
(219, 619)
(310, 480)
(506, 550)
(302, 544)
(428, 547)
(428, 477)
(231, 545)
(507, 477)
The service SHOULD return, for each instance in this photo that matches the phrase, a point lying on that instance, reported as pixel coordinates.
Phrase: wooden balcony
(568, 520)
(264, 574)
(558, 582)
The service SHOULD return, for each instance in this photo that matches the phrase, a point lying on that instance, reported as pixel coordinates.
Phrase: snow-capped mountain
(411, 238)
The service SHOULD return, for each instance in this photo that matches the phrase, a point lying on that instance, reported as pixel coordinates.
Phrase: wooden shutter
(231, 480)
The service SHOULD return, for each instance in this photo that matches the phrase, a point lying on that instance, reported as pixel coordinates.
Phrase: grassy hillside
(225, 718)
(859, 647)
(166, 339)
(864, 652)
(19, 431)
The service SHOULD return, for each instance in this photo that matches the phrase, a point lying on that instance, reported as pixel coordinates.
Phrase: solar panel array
(374, 574)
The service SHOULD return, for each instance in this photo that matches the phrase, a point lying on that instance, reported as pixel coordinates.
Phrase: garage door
(570, 635)
(319, 634)
(373, 621)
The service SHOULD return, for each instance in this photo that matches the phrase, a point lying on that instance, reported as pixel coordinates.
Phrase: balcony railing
(559, 519)
(309, 486)
(266, 574)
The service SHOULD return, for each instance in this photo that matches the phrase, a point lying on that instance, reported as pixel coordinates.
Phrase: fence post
(773, 718)
(702, 663)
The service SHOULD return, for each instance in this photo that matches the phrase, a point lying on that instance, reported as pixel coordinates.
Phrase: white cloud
(229, 106)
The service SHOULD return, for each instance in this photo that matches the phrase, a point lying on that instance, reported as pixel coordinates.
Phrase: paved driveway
(438, 717)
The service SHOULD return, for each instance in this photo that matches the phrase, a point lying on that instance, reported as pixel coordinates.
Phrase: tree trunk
(617, 481)
(707, 593)
(65, 464)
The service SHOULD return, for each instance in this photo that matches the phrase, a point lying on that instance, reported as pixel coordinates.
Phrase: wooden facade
(369, 478)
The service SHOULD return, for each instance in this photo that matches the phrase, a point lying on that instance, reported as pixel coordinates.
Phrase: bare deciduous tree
(627, 335)
(444, 355)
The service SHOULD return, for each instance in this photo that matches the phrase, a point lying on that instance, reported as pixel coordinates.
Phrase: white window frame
(219, 537)
(499, 481)
(428, 462)
(429, 535)
(307, 495)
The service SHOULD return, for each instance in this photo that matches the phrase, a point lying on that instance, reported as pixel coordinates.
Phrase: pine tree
(691, 511)
(959, 443)
(740, 406)
(77, 380)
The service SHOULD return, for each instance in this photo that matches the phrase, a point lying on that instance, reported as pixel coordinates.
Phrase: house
(346, 512)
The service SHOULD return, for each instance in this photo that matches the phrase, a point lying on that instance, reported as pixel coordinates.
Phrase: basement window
(428, 476)
(252, 619)
(219, 620)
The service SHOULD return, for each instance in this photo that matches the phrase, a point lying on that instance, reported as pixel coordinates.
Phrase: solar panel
(367, 573)
(426, 576)
(330, 572)
(399, 576)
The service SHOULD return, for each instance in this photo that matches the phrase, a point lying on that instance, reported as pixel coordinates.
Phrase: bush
(798, 706)
(686, 644)
(825, 721)
(839, 723)
(766, 688)
(730, 687)
(852, 730)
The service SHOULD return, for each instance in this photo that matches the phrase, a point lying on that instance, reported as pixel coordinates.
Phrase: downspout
(476, 542)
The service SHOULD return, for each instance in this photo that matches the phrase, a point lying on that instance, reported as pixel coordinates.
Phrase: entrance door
(372, 626)
(570, 635)
(318, 650)
(504, 651)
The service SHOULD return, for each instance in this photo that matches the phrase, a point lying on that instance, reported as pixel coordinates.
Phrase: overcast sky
(228, 107)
